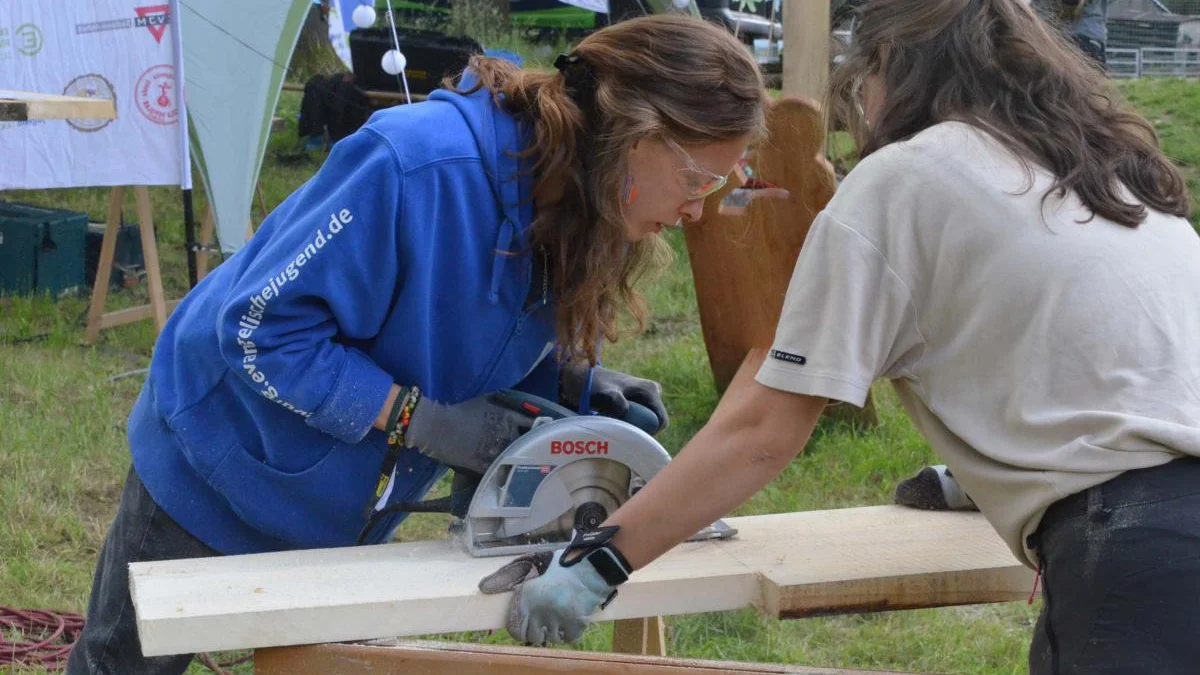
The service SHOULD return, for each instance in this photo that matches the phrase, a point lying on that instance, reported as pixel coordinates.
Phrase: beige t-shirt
(1038, 355)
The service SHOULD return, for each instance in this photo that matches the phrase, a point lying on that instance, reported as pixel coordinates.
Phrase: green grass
(63, 409)
(1173, 107)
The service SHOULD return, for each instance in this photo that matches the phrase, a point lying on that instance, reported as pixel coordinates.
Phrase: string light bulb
(394, 62)
(363, 16)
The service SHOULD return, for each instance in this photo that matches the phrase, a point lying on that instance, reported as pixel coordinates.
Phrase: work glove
(933, 488)
(612, 392)
(467, 436)
(554, 602)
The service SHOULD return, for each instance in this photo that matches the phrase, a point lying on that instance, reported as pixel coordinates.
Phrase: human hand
(612, 391)
(554, 601)
(468, 435)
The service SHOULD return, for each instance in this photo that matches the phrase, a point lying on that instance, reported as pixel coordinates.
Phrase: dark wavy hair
(664, 76)
(995, 65)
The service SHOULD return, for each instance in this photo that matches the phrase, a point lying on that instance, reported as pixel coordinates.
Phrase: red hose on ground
(48, 637)
(38, 637)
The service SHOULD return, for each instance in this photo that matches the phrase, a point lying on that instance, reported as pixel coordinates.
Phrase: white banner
(340, 25)
(123, 50)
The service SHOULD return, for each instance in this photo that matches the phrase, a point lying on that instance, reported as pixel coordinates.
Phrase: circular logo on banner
(29, 39)
(91, 85)
(155, 95)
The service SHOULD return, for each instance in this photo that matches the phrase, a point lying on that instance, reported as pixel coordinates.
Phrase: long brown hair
(665, 76)
(994, 64)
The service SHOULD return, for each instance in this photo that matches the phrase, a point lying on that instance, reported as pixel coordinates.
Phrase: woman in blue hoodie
(485, 239)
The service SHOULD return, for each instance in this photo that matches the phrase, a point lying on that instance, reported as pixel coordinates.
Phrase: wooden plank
(19, 106)
(778, 562)
(447, 658)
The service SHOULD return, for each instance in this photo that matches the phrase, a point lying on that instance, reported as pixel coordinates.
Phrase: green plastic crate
(41, 250)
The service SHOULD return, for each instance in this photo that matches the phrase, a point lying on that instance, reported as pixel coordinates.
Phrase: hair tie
(580, 80)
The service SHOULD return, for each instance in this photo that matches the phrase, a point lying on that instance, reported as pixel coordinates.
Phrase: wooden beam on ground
(448, 658)
(21, 106)
(806, 34)
(786, 564)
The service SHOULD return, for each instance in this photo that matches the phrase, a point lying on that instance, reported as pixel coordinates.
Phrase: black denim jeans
(140, 532)
(1121, 577)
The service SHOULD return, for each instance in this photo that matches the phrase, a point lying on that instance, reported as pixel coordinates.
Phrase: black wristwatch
(599, 550)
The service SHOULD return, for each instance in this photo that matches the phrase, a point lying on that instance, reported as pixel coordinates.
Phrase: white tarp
(123, 50)
(236, 53)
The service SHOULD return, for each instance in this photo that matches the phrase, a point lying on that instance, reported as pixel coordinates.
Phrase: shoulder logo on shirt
(790, 358)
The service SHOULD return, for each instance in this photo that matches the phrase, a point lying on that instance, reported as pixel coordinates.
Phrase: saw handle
(638, 415)
(641, 417)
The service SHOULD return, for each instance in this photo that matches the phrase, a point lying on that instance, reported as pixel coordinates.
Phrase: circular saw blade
(600, 481)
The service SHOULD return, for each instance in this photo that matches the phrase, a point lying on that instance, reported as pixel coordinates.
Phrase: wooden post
(806, 35)
(159, 307)
(206, 237)
(640, 636)
(742, 264)
(150, 253)
(208, 224)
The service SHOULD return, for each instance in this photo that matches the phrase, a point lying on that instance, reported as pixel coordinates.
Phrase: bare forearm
(734, 456)
(700, 485)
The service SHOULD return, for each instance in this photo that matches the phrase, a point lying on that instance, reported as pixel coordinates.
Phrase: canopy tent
(236, 54)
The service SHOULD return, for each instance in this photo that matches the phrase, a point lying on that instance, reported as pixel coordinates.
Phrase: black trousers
(140, 532)
(1121, 577)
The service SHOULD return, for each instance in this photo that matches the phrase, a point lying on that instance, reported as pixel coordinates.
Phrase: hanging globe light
(363, 16)
(394, 62)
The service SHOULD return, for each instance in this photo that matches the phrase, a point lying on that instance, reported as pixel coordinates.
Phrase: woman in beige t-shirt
(1012, 253)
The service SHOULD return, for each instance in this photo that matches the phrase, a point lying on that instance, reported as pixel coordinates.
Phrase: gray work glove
(553, 603)
(612, 391)
(468, 435)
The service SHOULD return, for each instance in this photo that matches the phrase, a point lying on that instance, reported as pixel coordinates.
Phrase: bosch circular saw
(567, 472)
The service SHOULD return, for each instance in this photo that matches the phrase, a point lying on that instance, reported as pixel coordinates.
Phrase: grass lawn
(63, 409)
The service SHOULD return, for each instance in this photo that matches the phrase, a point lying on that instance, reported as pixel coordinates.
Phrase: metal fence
(1153, 62)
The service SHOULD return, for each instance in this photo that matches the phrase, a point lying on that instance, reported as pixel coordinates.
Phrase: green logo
(4, 43)
(28, 39)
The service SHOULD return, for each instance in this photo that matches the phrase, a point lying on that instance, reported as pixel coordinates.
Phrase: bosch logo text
(579, 447)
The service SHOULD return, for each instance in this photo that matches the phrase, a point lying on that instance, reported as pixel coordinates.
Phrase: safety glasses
(697, 181)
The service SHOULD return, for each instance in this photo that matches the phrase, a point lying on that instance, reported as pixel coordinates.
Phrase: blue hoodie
(394, 263)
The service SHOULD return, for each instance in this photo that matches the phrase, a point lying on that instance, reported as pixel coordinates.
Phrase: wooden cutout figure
(744, 247)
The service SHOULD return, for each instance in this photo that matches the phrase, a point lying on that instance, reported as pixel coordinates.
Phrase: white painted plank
(424, 588)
